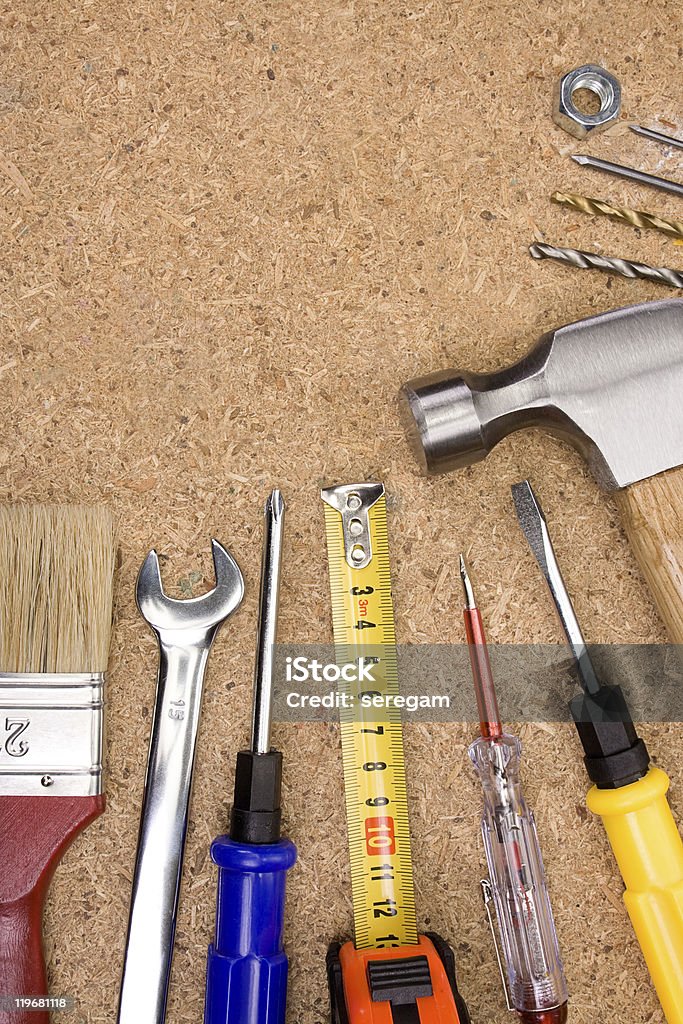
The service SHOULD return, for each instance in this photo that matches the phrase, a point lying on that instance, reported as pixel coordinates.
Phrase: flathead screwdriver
(246, 978)
(629, 793)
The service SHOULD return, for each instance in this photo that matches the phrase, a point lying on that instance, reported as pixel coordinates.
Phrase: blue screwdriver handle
(246, 978)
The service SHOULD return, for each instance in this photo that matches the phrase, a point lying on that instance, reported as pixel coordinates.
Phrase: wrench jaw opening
(201, 615)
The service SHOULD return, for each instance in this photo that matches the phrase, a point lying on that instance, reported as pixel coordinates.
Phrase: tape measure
(390, 975)
(371, 736)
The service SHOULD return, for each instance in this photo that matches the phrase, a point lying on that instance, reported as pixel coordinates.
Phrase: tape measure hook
(353, 502)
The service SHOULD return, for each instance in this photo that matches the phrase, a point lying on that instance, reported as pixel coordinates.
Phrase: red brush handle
(34, 833)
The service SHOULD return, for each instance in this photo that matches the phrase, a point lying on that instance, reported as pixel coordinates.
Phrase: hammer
(610, 385)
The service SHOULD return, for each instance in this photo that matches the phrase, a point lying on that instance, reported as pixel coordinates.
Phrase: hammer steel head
(611, 385)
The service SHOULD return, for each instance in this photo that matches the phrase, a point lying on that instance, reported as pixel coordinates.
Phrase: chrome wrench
(185, 631)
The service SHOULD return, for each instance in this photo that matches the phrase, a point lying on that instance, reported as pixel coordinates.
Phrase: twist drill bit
(650, 133)
(610, 264)
(636, 218)
(632, 173)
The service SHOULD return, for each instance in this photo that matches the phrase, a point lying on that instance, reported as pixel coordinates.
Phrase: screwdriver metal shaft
(632, 173)
(271, 563)
(608, 264)
(636, 218)
(535, 529)
(484, 689)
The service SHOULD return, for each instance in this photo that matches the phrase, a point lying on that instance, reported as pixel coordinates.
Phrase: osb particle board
(230, 232)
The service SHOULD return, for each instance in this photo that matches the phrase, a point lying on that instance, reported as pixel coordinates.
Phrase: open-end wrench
(185, 631)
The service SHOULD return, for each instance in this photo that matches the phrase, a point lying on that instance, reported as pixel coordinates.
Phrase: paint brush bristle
(56, 584)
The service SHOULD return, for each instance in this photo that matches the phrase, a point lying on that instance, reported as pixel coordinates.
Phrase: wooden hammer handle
(34, 833)
(652, 513)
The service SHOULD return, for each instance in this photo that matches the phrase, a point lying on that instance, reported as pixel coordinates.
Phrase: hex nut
(597, 80)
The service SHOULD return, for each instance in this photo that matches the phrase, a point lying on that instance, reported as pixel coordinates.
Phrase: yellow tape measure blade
(371, 731)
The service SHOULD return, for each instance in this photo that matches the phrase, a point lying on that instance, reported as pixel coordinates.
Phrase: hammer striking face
(612, 386)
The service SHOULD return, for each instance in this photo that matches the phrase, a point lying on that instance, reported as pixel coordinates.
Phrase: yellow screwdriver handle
(649, 852)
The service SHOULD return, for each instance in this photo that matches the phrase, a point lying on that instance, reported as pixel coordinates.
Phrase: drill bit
(650, 133)
(629, 172)
(535, 529)
(636, 218)
(271, 561)
(610, 264)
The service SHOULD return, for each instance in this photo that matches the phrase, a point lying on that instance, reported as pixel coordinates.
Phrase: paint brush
(56, 581)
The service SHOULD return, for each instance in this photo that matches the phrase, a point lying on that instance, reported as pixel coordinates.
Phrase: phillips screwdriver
(629, 793)
(536, 987)
(246, 978)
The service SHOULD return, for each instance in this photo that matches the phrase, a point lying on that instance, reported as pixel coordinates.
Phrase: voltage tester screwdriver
(536, 986)
(246, 978)
(629, 793)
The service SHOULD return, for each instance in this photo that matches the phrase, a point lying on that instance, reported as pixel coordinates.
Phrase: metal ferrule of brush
(51, 734)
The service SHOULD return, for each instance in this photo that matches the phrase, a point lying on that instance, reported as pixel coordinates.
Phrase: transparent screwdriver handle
(537, 988)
